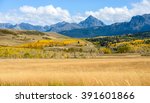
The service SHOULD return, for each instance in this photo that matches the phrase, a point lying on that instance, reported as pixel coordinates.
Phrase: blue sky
(74, 6)
(47, 12)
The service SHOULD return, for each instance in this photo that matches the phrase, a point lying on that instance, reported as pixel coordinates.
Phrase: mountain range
(90, 27)
(140, 23)
(59, 27)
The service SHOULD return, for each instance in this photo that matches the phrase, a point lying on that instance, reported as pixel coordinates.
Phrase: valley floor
(106, 71)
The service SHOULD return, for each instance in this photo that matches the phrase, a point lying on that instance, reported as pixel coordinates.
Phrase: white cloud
(112, 15)
(28, 9)
(47, 15)
(43, 15)
(10, 17)
(141, 8)
(46, 10)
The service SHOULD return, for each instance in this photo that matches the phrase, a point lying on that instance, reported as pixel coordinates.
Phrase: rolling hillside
(34, 44)
(15, 37)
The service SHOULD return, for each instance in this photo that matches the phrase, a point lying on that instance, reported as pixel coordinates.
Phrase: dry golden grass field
(106, 71)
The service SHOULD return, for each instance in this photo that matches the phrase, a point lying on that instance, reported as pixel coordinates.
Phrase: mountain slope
(91, 22)
(6, 26)
(26, 26)
(63, 26)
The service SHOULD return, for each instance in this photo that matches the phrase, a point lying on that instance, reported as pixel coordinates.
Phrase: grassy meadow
(106, 71)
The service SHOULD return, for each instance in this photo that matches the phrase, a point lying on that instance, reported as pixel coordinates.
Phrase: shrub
(147, 41)
(124, 48)
(26, 55)
(105, 50)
